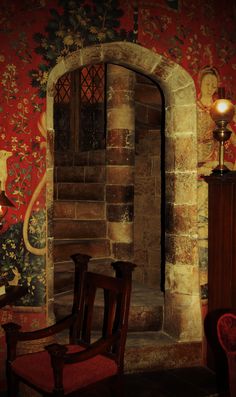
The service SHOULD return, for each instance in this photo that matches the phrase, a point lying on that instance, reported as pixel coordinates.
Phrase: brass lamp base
(221, 134)
(220, 169)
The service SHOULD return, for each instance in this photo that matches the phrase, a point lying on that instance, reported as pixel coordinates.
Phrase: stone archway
(182, 291)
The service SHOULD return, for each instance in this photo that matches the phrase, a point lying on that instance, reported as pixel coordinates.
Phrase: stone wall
(147, 186)
(183, 318)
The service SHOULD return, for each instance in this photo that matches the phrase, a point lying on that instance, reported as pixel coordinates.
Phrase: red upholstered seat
(36, 369)
(226, 331)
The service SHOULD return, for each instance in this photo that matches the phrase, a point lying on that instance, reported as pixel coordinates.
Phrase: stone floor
(179, 382)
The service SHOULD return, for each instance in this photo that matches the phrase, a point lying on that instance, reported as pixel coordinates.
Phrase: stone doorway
(182, 293)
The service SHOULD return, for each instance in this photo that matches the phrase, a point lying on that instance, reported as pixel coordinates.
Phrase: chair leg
(12, 385)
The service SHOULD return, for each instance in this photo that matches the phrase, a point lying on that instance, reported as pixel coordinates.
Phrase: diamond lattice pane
(63, 89)
(92, 84)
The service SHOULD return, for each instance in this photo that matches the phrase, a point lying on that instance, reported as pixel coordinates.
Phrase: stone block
(119, 193)
(64, 158)
(123, 251)
(121, 118)
(181, 79)
(149, 143)
(81, 191)
(141, 113)
(181, 188)
(182, 279)
(120, 232)
(145, 186)
(120, 212)
(120, 138)
(146, 205)
(130, 54)
(151, 231)
(63, 277)
(120, 156)
(69, 174)
(170, 153)
(58, 70)
(140, 255)
(50, 149)
(181, 219)
(143, 167)
(95, 174)
(181, 250)
(117, 98)
(148, 93)
(182, 318)
(97, 248)
(73, 60)
(165, 68)
(154, 257)
(180, 153)
(119, 175)
(97, 157)
(120, 78)
(64, 209)
(184, 119)
(152, 277)
(184, 95)
(81, 158)
(154, 116)
(185, 153)
(79, 229)
(90, 210)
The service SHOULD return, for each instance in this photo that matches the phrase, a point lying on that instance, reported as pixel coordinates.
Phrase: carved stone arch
(182, 291)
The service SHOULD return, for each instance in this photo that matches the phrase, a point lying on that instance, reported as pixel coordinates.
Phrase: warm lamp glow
(222, 110)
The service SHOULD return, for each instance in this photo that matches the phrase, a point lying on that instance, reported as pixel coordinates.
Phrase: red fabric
(36, 368)
(226, 329)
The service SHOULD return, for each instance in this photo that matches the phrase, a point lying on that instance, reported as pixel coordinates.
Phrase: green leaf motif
(78, 25)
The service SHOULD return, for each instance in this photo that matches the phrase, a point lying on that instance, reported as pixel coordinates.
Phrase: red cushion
(36, 369)
(226, 329)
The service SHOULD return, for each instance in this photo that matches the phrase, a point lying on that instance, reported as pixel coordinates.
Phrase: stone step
(64, 271)
(76, 229)
(146, 310)
(68, 158)
(147, 351)
(89, 174)
(155, 350)
(79, 191)
(80, 210)
(97, 248)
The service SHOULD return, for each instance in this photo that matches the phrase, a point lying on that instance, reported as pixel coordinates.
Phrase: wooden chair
(82, 365)
(226, 331)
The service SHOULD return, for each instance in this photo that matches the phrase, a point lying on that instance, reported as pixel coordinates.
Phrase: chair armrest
(99, 347)
(12, 330)
(48, 331)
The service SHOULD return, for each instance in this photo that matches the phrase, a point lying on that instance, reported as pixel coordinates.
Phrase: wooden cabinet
(221, 264)
(221, 241)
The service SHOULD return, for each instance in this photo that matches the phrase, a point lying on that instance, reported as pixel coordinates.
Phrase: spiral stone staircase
(80, 226)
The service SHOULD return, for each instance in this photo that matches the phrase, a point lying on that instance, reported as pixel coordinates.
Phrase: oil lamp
(222, 112)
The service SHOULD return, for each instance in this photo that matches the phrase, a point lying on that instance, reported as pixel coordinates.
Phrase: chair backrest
(226, 331)
(113, 295)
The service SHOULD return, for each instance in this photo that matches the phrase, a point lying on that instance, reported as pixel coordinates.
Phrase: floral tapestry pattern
(35, 35)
